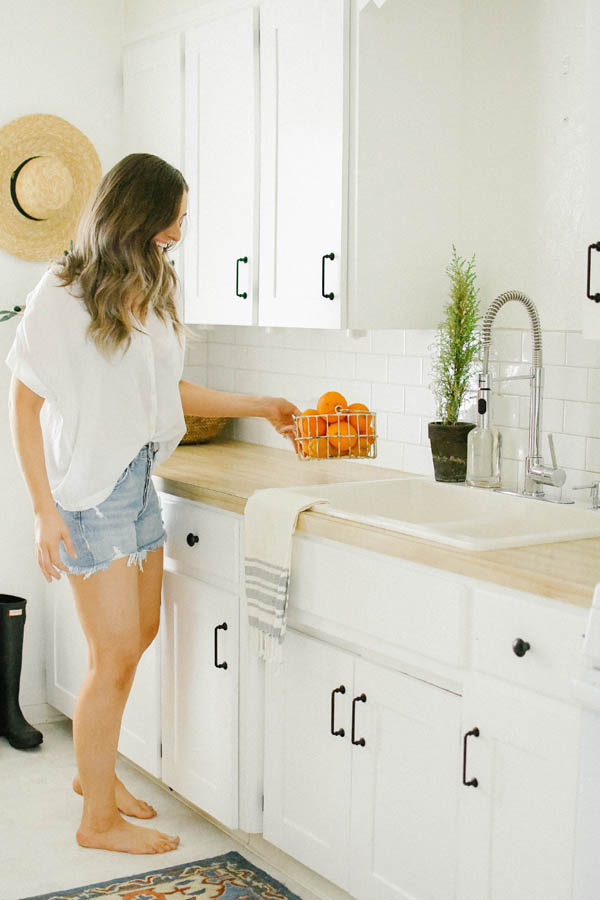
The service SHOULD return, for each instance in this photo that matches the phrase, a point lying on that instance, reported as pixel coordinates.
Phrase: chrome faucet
(536, 472)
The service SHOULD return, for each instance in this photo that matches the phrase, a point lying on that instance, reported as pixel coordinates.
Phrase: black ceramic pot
(449, 450)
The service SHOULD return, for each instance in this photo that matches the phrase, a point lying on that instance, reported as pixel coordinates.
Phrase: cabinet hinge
(262, 802)
(161, 750)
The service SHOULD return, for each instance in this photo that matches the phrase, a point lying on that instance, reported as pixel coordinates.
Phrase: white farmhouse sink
(470, 518)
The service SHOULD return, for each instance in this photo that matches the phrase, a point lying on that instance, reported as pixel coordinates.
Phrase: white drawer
(202, 540)
(554, 631)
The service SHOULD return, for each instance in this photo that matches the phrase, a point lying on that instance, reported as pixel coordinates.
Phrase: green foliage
(457, 341)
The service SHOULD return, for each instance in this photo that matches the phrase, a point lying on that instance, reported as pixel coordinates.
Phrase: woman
(96, 401)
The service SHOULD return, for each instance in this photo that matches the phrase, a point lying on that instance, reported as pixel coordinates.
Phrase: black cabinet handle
(192, 539)
(341, 690)
(323, 294)
(363, 699)
(520, 647)
(243, 259)
(473, 782)
(219, 665)
(594, 297)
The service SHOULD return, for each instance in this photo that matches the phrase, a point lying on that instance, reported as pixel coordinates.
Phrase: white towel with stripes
(269, 524)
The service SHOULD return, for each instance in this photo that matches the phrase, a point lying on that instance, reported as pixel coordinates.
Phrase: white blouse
(98, 413)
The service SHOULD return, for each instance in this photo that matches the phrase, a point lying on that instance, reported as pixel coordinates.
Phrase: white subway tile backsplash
(565, 382)
(418, 401)
(229, 355)
(405, 429)
(221, 379)
(570, 450)
(506, 346)
(553, 348)
(390, 371)
(389, 397)
(582, 418)
(552, 414)
(390, 342)
(581, 352)
(417, 459)
(371, 367)
(405, 370)
(592, 455)
(419, 343)
(340, 365)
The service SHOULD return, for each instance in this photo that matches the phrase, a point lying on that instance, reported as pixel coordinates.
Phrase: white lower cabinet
(517, 829)
(200, 649)
(371, 806)
(66, 665)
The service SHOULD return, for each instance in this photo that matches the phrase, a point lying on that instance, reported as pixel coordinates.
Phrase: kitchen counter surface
(226, 473)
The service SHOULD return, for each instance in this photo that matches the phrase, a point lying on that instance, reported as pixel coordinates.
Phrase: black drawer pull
(363, 699)
(192, 539)
(473, 782)
(243, 259)
(342, 690)
(520, 647)
(594, 297)
(323, 294)
(219, 665)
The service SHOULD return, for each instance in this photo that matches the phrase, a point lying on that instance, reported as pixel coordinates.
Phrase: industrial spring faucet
(536, 472)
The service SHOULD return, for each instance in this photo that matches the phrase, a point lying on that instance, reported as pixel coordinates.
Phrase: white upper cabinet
(152, 98)
(304, 49)
(221, 115)
(591, 309)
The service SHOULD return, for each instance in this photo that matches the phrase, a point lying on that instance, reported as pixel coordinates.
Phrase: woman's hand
(279, 413)
(50, 528)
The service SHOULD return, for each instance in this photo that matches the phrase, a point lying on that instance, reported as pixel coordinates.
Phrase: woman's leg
(108, 607)
(149, 598)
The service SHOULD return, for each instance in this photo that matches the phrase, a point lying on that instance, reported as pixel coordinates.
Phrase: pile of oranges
(335, 428)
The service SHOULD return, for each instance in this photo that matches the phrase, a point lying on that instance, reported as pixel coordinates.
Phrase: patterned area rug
(226, 877)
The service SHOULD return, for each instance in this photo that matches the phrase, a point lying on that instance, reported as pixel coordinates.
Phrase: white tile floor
(39, 814)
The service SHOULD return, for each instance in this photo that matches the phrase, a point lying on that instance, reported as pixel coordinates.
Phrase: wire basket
(344, 434)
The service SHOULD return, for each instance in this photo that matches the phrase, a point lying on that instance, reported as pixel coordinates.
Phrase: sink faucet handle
(552, 450)
(594, 488)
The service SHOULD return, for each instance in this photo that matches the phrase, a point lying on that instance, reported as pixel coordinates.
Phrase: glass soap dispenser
(483, 443)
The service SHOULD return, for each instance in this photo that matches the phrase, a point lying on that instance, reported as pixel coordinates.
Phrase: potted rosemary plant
(456, 351)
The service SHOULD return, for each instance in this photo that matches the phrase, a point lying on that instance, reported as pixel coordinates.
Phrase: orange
(360, 422)
(318, 447)
(342, 437)
(327, 403)
(313, 426)
(365, 441)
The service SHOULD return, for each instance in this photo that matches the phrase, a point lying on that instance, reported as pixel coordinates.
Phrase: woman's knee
(116, 667)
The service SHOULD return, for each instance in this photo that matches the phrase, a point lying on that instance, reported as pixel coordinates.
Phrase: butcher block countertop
(225, 473)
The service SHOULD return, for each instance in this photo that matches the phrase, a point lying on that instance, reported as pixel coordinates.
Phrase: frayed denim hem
(136, 558)
(139, 556)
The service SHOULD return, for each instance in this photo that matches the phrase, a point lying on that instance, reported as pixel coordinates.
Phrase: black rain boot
(13, 726)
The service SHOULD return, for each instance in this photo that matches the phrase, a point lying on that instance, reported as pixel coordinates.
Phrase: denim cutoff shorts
(128, 523)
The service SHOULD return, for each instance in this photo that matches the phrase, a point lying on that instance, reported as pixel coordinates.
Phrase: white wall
(62, 58)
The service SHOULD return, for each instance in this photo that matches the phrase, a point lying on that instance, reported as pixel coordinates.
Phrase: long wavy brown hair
(115, 265)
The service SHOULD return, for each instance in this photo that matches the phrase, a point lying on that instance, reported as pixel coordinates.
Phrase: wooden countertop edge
(510, 568)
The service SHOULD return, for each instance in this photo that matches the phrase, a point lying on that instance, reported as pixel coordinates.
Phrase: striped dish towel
(269, 524)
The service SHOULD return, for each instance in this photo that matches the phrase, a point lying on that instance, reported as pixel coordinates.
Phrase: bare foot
(126, 802)
(125, 837)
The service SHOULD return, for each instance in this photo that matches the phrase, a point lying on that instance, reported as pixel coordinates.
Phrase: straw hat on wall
(48, 172)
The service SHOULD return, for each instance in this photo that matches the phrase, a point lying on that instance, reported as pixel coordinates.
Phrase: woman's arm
(50, 527)
(201, 401)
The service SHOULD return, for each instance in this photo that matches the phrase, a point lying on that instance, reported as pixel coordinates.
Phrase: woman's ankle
(100, 820)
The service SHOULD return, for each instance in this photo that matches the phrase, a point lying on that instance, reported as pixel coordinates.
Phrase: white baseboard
(41, 714)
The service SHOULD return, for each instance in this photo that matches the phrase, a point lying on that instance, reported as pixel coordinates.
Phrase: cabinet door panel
(517, 826)
(304, 50)
(405, 783)
(221, 99)
(307, 769)
(200, 701)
